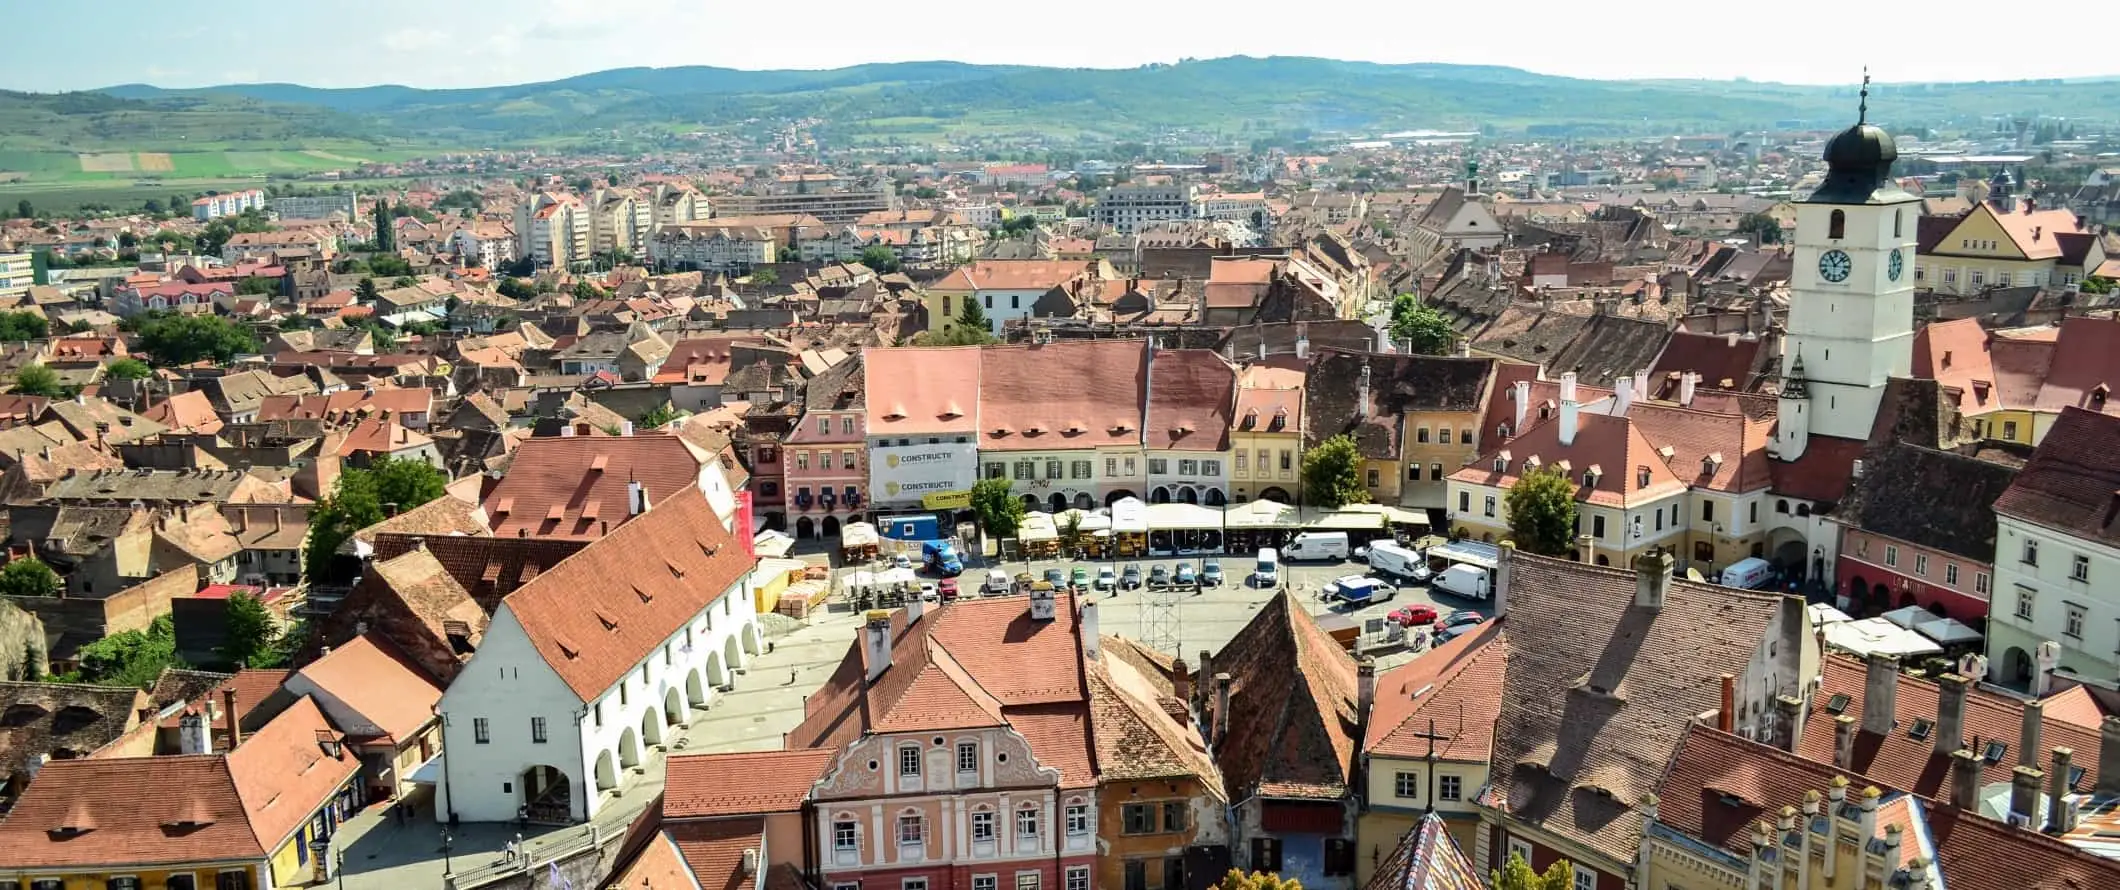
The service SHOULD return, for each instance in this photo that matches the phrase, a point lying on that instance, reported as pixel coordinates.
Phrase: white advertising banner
(903, 473)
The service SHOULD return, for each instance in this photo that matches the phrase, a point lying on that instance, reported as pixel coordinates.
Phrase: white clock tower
(1851, 294)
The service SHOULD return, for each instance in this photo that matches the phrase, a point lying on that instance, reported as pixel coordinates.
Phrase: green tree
(957, 336)
(1542, 512)
(584, 290)
(17, 326)
(1429, 332)
(386, 265)
(879, 258)
(132, 658)
(658, 417)
(1761, 226)
(128, 369)
(385, 234)
(1000, 512)
(515, 288)
(1332, 474)
(25, 209)
(39, 380)
(259, 286)
(1238, 880)
(364, 497)
(765, 277)
(2096, 285)
(1517, 875)
(249, 631)
(184, 339)
(28, 576)
(365, 291)
(973, 316)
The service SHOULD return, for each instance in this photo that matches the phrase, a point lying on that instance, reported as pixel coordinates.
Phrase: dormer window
(1501, 431)
(1590, 478)
(1641, 477)
(1501, 464)
(2098, 396)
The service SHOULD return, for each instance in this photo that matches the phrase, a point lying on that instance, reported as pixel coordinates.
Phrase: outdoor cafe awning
(429, 773)
(1129, 515)
(1258, 514)
(1177, 516)
(1038, 527)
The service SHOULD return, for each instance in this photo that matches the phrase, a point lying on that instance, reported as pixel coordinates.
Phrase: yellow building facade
(1435, 444)
(1399, 792)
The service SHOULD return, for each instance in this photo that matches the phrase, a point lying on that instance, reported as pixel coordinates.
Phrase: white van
(1389, 559)
(1268, 572)
(1470, 582)
(998, 583)
(1316, 545)
(1748, 573)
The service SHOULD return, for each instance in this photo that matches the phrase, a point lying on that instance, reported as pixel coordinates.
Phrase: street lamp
(448, 865)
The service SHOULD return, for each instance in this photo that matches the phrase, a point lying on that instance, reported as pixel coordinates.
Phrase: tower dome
(1859, 162)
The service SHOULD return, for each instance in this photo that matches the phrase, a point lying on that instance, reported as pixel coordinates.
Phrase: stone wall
(22, 645)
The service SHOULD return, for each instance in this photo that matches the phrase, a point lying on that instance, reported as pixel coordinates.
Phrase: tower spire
(1862, 111)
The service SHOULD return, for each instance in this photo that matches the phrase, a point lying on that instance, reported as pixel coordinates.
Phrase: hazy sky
(482, 42)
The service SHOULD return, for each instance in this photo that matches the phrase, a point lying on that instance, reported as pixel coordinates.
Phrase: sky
(460, 43)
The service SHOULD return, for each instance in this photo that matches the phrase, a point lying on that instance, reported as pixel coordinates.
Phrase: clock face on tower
(1834, 266)
(1895, 265)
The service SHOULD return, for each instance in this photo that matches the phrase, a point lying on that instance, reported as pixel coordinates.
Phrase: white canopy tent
(1038, 527)
(1177, 516)
(1876, 636)
(1945, 630)
(1129, 515)
(857, 534)
(1091, 521)
(1259, 514)
(1823, 614)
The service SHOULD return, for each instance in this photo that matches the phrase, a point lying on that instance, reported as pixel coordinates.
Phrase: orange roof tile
(714, 849)
(1191, 399)
(284, 774)
(374, 679)
(1458, 685)
(1614, 446)
(558, 473)
(748, 783)
(1069, 394)
(922, 390)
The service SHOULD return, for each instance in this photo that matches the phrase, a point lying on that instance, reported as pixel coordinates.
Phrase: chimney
(192, 734)
(1844, 741)
(1222, 684)
(636, 498)
(228, 714)
(1464, 347)
(1569, 407)
(1365, 684)
(2029, 734)
(1880, 693)
(1686, 383)
(1726, 716)
(1086, 625)
(625, 428)
(1652, 579)
(1622, 396)
(2025, 782)
(1788, 714)
(2108, 752)
(1041, 605)
(876, 636)
(1730, 339)
(1181, 681)
(915, 607)
(1521, 394)
(1965, 780)
(1502, 558)
(2057, 788)
(1361, 398)
(1950, 713)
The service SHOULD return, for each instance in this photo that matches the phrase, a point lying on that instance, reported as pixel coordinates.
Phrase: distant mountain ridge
(1236, 97)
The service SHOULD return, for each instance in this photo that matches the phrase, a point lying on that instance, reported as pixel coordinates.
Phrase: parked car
(948, 589)
(901, 561)
(1456, 624)
(1106, 578)
(1130, 579)
(1056, 577)
(1159, 576)
(1211, 574)
(1413, 616)
(928, 591)
(1079, 578)
(1187, 576)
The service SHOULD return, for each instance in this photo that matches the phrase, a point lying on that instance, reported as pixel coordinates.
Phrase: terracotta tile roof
(598, 612)
(1582, 734)
(714, 849)
(749, 783)
(659, 865)
(177, 685)
(1714, 357)
(374, 679)
(442, 516)
(1458, 685)
(347, 403)
(1914, 764)
(1718, 786)
(2071, 485)
(1068, 394)
(1013, 275)
(1427, 858)
(1615, 446)
(1955, 353)
(284, 774)
(1286, 739)
(939, 695)
(252, 686)
(2086, 356)
(1736, 443)
(1896, 498)
(1059, 735)
(187, 411)
(578, 487)
(1191, 396)
(921, 390)
(2076, 705)
(1398, 384)
(1269, 399)
(1822, 473)
(1136, 737)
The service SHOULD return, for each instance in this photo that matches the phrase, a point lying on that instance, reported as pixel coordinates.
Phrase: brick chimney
(2058, 788)
(1652, 580)
(228, 714)
(1222, 683)
(876, 641)
(1965, 780)
(1179, 705)
(1950, 713)
(1726, 716)
(1880, 694)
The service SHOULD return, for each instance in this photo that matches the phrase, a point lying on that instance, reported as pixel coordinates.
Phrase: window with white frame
(1891, 556)
(983, 825)
(1585, 879)
(2031, 551)
(1077, 819)
(1520, 848)
(1026, 880)
(2025, 601)
(967, 757)
(1406, 785)
(1027, 823)
(1980, 582)
(846, 836)
(1449, 788)
(912, 884)
(1950, 573)
(912, 830)
(983, 882)
(2074, 625)
(1921, 564)
(909, 761)
(1078, 877)
(2080, 568)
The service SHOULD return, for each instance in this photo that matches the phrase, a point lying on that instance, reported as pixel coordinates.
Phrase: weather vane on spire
(1862, 111)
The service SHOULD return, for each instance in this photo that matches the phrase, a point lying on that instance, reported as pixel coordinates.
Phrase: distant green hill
(917, 101)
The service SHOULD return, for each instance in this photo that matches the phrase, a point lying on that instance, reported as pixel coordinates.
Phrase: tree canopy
(1542, 512)
(170, 339)
(1427, 330)
(39, 380)
(879, 258)
(765, 277)
(1517, 875)
(131, 658)
(1000, 512)
(1238, 880)
(28, 576)
(364, 497)
(128, 369)
(249, 632)
(17, 326)
(1332, 474)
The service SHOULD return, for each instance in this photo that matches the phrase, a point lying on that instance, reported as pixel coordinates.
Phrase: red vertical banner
(744, 531)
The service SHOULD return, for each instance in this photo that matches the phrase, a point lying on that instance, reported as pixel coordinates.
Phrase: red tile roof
(1013, 275)
(1457, 685)
(1955, 354)
(285, 775)
(749, 783)
(714, 849)
(578, 487)
(1191, 400)
(1614, 446)
(1065, 395)
(1286, 739)
(375, 680)
(1822, 473)
(1736, 443)
(347, 403)
(1913, 764)
(2086, 357)
(925, 391)
(1713, 356)
(600, 611)
(1059, 735)
(2071, 485)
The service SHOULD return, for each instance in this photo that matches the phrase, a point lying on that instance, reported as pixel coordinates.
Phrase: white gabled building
(587, 667)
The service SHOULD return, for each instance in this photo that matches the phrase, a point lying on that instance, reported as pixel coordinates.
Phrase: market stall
(858, 542)
(1038, 537)
(1876, 636)
(1254, 525)
(1129, 527)
(1183, 529)
(1094, 530)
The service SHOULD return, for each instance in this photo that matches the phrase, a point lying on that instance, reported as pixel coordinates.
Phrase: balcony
(853, 499)
(803, 501)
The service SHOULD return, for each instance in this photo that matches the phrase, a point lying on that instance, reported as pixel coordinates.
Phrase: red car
(947, 589)
(1413, 616)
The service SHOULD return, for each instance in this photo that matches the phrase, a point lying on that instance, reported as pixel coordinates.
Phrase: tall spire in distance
(1862, 111)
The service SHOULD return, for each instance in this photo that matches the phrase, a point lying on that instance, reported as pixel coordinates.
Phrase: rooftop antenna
(1862, 111)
